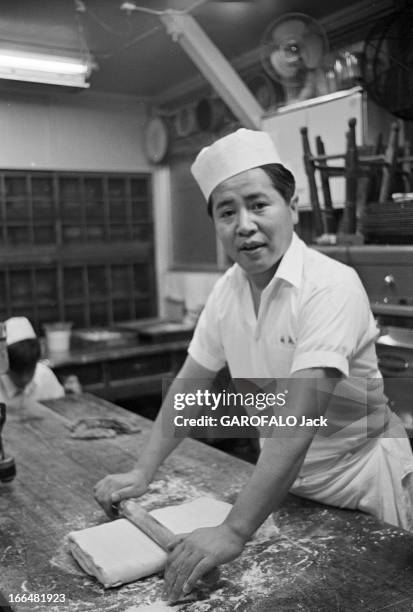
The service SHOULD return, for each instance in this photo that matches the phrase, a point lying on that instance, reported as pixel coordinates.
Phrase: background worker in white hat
(26, 378)
(282, 311)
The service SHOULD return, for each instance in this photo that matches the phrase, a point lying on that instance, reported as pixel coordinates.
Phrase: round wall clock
(156, 139)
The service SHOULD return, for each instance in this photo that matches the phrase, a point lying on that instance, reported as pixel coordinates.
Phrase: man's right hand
(115, 487)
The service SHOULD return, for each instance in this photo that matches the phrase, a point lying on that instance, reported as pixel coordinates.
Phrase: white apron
(376, 477)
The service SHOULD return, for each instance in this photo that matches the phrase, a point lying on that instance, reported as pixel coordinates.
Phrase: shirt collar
(291, 264)
(290, 268)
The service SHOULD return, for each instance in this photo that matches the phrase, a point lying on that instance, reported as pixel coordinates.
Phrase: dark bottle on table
(7, 463)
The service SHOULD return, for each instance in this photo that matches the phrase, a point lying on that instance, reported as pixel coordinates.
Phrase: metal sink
(396, 336)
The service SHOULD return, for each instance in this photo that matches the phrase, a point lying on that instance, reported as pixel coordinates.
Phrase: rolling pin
(160, 534)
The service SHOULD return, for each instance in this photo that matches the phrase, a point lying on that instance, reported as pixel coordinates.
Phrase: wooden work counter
(317, 559)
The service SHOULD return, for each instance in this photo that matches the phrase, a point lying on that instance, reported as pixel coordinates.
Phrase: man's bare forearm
(163, 439)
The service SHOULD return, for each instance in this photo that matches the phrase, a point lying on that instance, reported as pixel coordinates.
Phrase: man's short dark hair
(281, 178)
(24, 355)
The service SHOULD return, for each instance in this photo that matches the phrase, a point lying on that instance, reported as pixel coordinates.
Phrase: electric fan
(387, 63)
(292, 52)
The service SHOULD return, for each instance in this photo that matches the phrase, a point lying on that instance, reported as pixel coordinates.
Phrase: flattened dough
(118, 552)
(201, 512)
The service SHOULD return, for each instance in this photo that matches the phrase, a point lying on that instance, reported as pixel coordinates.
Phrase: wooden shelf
(76, 246)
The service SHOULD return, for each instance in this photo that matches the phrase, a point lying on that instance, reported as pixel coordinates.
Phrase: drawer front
(134, 367)
(387, 281)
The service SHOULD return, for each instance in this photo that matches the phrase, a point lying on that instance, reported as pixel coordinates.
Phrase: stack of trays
(391, 222)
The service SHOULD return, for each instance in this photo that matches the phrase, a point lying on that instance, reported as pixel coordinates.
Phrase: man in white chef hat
(282, 311)
(26, 378)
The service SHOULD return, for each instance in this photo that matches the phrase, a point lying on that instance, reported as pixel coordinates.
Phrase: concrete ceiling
(133, 52)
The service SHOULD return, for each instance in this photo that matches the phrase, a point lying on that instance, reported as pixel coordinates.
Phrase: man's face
(254, 223)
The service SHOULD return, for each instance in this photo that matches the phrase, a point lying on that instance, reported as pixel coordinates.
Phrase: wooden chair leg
(351, 173)
(374, 174)
(329, 217)
(406, 166)
(390, 163)
(310, 171)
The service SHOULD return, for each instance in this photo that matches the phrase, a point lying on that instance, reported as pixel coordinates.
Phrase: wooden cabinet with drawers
(387, 275)
(76, 246)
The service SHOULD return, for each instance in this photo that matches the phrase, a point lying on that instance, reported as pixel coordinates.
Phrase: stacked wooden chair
(368, 174)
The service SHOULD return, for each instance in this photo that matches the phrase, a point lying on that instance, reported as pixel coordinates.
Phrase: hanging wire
(157, 12)
(130, 7)
(132, 42)
(193, 6)
(82, 9)
(84, 49)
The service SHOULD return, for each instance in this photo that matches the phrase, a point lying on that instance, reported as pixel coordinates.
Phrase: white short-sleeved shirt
(313, 313)
(44, 385)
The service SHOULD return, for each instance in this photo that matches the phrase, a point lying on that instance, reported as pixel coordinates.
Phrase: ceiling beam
(215, 67)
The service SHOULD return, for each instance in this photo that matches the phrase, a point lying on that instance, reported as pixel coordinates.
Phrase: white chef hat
(232, 154)
(18, 328)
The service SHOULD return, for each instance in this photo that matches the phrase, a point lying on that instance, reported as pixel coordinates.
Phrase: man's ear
(294, 208)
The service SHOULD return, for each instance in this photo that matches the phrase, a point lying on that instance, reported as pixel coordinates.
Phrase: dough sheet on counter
(118, 552)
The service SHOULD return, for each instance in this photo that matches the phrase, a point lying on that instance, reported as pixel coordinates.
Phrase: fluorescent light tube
(42, 68)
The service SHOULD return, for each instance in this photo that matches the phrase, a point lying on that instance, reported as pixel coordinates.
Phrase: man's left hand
(196, 554)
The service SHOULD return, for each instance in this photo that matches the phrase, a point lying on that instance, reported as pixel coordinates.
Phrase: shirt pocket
(280, 358)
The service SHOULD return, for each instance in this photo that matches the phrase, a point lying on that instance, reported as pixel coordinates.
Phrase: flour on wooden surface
(62, 558)
(157, 606)
(168, 491)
